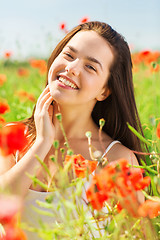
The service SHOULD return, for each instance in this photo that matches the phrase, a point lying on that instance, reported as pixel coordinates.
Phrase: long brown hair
(120, 107)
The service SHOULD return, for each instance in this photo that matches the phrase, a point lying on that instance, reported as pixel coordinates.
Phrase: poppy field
(21, 82)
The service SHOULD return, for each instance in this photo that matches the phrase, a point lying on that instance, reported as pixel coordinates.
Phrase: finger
(47, 104)
(43, 100)
(46, 90)
(50, 111)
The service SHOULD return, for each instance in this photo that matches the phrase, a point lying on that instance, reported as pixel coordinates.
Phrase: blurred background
(32, 28)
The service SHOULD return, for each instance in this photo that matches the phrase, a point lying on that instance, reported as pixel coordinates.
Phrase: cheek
(50, 72)
(97, 87)
(55, 68)
(95, 84)
(103, 82)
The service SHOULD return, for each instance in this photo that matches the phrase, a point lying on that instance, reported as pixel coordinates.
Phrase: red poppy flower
(7, 54)
(39, 64)
(158, 130)
(137, 180)
(3, 79)
(155, 67)
(13, 233)
(26, 96)
(144, 56)
(62, 26)
(149, 208)
(119, 207)
(107, 177)
(22, 72)
(81, 165)
(143, 183)
(145, 53)
(117, 180)
(84, 20)
(2, 120)
(95, 197)
(122, 164)
(147, 57)
(13, 137)
(43, 69)
(104, 179)
(10, 206)
(4, 107)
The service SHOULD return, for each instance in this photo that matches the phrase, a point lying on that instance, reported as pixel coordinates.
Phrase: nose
(73, 67)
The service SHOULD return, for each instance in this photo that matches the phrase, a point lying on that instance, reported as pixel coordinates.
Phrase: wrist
(45, 143)
(40, 147)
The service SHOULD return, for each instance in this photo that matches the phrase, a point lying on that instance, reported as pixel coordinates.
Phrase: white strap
(109, 147)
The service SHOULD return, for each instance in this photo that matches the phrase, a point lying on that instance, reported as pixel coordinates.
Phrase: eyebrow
(92, 59)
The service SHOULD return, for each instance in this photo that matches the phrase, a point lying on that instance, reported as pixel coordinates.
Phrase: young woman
(89, 77)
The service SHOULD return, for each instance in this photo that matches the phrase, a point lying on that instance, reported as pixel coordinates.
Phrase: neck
(76, 121)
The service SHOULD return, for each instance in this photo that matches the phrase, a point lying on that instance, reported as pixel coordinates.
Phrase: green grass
(147, 94)
(33, 83)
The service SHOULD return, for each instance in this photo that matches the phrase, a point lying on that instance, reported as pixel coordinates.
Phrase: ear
(104, 94)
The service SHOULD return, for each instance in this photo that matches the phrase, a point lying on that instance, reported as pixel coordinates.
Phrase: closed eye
(69, 55)
(91, 67)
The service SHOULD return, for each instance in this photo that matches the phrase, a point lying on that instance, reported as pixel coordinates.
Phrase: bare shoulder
(120, 151)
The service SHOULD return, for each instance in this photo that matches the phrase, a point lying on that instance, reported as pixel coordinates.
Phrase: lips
(67, 82)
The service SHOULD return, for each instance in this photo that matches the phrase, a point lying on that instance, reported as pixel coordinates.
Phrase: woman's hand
(43, 117)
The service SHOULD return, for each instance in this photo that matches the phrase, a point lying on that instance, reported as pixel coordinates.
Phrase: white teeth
(67, 83)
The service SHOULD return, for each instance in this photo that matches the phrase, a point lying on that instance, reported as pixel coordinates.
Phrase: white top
(31, 217)
(109, 147)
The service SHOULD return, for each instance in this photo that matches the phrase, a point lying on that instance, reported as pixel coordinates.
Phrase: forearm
(6, 162)
(15, 178)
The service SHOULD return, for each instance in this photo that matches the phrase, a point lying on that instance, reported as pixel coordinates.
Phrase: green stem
(37, 181)
(156, 199)
(99, 230)
(144, 167)
(138, 135)
(100, 138)
(44, 165)
(56, 155)
(64, 134)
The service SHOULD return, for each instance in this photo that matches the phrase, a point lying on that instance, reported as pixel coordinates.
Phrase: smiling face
(79, 73)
